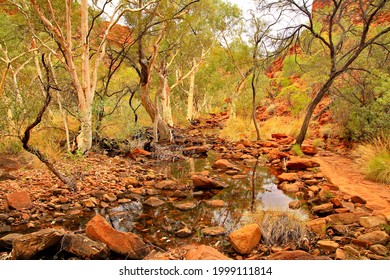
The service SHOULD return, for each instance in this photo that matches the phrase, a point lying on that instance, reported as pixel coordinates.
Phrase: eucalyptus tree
(346, 31)
(57, 20)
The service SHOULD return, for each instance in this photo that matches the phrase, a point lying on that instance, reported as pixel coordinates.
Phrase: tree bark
(310, 110)
(190, 98)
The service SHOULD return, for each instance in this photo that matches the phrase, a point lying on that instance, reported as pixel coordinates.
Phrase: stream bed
(251, 190)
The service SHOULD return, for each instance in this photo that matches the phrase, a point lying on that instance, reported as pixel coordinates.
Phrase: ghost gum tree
(84, 75)
(345, 29)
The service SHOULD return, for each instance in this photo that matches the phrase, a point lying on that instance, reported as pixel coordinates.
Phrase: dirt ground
(344, 172)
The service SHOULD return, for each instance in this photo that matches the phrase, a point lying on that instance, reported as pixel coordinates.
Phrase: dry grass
(288, 125)
(280, 228)
(374, 159)
(239, 128)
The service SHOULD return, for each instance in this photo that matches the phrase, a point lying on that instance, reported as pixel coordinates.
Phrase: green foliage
(296, 97)
(365, 114)
(297, 150)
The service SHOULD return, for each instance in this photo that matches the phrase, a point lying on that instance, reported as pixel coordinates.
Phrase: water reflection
(254, 192)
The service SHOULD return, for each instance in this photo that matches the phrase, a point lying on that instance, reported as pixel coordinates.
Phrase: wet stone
(184, 232)
(154, 202)
(184, 206)
(213, 231)
(215, 203)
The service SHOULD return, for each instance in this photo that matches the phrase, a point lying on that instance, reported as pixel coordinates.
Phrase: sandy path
(345, 173)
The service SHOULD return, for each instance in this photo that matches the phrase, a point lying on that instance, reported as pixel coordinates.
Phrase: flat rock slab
(295, 255)
(372, 221)
(375, 237)
(204, 182)
(224, 164)
(154, 202)
(204, 252)
(184, 206)
(214, 231)
(345, 218)
(298, 163)
(328, 246)
(84, 247)
(19, 200)
(28, 245)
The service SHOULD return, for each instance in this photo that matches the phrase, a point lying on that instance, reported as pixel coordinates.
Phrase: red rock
(309, 150)
(279, 135)
(223, 164)
(204, 252)
(317, 226)
(19, 200)
(140, 152)
(245, 239)
(336, 202)
(276, 154)
(82, 246)
(269, 144)
(297, 163)
(290, 177)
(375, 237)
(123, 243)
(286, 141)
(358, 199)
(203, 182)
(295, 255)
(195, 150)
(27, 246)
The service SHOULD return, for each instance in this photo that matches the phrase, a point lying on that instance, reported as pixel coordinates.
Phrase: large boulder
(19, 200)
(28, 245)
(203, 252)
(123, 243)
(245, 239)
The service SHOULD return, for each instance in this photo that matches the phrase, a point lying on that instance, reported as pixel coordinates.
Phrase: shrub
(374, 159)
(281, 228)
